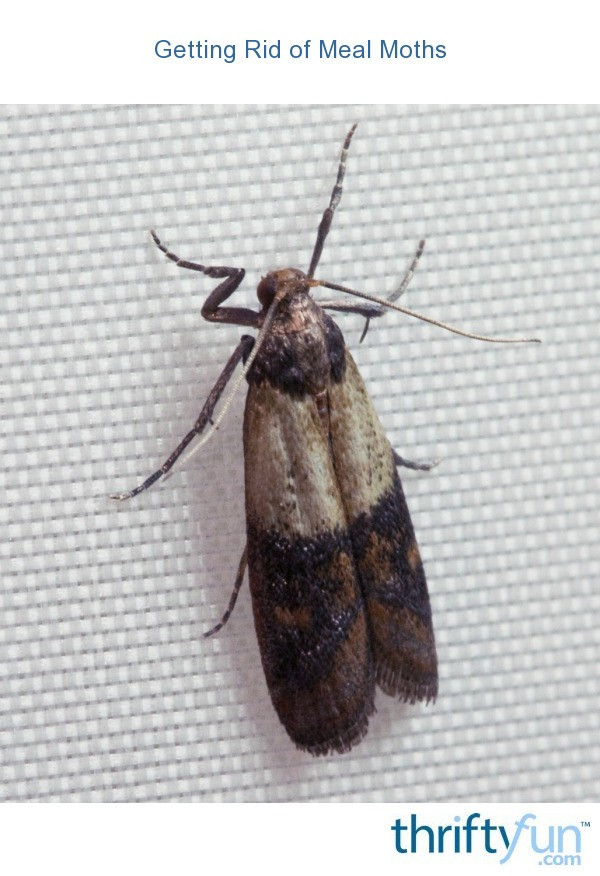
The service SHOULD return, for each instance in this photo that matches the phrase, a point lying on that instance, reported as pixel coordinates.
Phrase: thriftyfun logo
(556, 845)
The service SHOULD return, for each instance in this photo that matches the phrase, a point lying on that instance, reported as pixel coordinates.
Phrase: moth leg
(416, 466)
(327, 217)
(399, 291)
(241, 351)
(345, 306)
(211, 309)
(239, 579)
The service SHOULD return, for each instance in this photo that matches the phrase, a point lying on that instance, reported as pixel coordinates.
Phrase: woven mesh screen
(107, 689)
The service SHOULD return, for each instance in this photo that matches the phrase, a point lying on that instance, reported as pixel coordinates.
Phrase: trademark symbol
(585, 823)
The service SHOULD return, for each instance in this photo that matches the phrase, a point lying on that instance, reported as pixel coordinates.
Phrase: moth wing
(383, 543)
(308, 606)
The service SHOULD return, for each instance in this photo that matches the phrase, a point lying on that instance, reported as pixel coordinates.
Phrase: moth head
(281, 284)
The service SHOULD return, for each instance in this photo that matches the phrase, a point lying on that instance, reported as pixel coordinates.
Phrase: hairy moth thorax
(304, 348)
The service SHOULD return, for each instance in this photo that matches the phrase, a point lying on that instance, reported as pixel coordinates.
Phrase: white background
(191, 839)
(512, 51)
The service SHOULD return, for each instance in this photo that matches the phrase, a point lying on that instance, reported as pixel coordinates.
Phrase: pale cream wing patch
(364, 464)
(290, 479)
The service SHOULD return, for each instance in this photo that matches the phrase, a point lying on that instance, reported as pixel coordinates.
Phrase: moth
(339, 595)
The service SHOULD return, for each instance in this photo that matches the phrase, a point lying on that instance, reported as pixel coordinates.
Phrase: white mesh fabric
(107, 689)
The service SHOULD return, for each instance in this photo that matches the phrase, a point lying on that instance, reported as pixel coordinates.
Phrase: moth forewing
(383, 542)
(308, 605)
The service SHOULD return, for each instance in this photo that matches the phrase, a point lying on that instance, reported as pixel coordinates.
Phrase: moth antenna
(383, 302)
(229, 399)
(336, 194)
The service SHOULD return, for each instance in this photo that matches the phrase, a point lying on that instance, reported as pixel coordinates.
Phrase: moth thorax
(281, 283)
